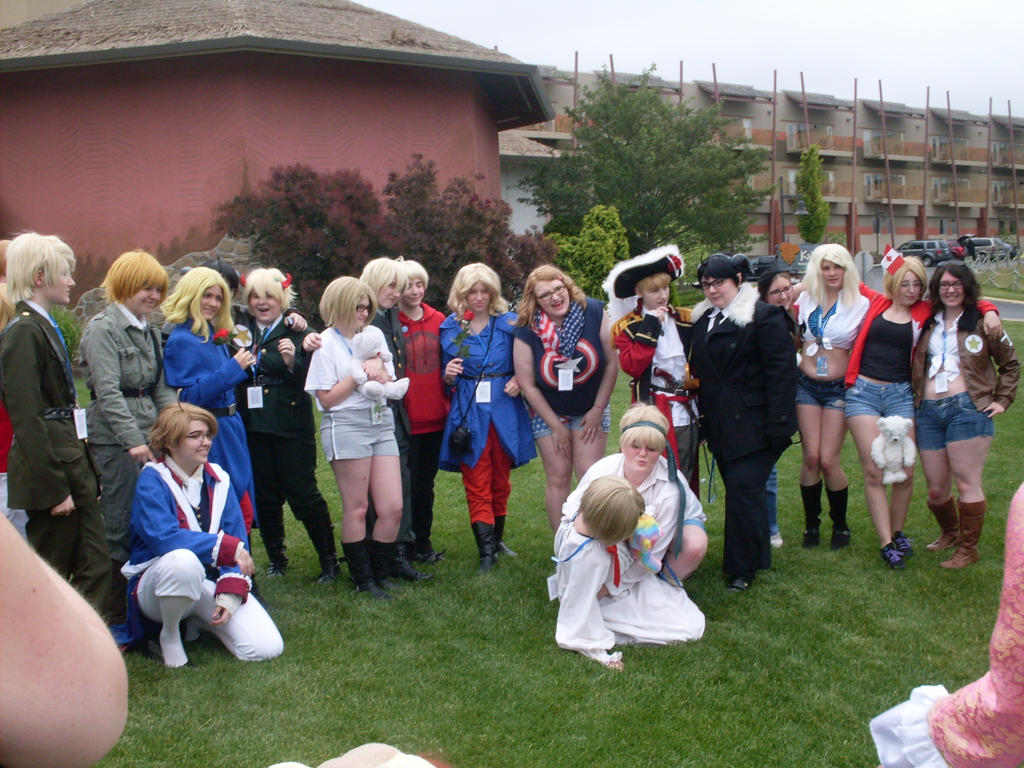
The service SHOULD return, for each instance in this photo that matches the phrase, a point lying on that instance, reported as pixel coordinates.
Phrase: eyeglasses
(362, 307)
(912, 284)
(952, 286)
(199, 436)
(780, 291)
(559, 289)
(716, 283)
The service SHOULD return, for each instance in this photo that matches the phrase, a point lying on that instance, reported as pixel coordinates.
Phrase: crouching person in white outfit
(189, 551)
(614, 592)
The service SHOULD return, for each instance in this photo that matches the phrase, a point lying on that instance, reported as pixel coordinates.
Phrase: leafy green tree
(589, 256)
(444, 229)
(673, 172)
(809, 179)
(316, 226)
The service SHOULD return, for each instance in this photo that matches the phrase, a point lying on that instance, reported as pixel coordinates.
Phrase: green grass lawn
(465, 667)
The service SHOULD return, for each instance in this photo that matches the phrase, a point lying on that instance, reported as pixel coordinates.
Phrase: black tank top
(887, 351)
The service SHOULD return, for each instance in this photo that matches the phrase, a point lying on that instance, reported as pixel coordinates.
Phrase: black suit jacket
(747, 371)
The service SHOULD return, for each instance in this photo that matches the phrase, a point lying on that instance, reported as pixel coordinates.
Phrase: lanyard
(818, 331)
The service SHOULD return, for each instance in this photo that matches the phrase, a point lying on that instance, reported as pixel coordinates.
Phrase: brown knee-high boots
(945, 516)
(972, 517)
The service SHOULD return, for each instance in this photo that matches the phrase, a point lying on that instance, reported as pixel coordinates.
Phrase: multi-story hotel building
(892, 172)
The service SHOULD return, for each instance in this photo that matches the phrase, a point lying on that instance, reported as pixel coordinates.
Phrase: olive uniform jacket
(47, 459)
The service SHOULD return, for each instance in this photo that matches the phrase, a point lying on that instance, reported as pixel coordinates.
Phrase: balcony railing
(1006, 156)
(895, 147)
(1004, 197)
(968, 196)
(942, 154)
(842, 189)
(899, 192)
(561, 124)
(797, 142)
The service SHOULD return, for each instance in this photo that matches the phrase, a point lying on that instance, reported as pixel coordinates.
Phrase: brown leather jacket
(985, 382)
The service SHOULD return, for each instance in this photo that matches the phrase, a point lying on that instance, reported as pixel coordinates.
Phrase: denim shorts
(575, 423)
(948, 420)
(824, 394)
(869, 398)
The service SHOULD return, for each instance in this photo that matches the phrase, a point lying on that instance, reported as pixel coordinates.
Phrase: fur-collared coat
(747, 374)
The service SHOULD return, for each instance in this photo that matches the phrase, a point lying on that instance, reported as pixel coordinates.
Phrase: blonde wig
(911, 266)
(611, 507)
(382, 272)
(466, 278)
(32, 253)
(650, 437)
(415, 271)
(130, 273)
(338, 303)
(652, 282)
(268, 283)
(546, 273)
(815, 283)
(173, 424)
(184, 302)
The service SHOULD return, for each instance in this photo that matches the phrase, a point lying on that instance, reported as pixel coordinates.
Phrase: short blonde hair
(184, 302)
(653, 438)
(652, 282)
(382, 272)
(610, 508)
(172, 425)
(546, 272)
(130, 273)
(911, 265)
(268, 282)
(814, 282)
(466, 278)
(31, 253)
(415, 271)
(338, 303)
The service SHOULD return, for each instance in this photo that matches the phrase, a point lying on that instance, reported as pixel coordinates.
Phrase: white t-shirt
(333, 363)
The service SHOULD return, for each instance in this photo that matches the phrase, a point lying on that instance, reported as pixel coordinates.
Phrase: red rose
(468, 315)
(221, 336)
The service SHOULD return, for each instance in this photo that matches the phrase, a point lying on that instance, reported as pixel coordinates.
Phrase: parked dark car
(932, 252)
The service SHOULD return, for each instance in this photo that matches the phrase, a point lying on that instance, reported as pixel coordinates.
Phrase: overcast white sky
(972, 48)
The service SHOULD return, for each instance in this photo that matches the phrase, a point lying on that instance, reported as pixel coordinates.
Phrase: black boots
(485, 545)
(811, 495)
(321, 533)
(357, 553)
(837, 501)
(500, 547)
(401, 568)
(272, 533)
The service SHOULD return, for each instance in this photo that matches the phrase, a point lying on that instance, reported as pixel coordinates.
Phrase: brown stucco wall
(140, 154)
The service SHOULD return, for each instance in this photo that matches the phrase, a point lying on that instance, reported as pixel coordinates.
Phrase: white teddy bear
(893, 449)
(364, 347)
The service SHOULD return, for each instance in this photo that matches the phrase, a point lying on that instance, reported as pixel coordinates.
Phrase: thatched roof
(98, 31)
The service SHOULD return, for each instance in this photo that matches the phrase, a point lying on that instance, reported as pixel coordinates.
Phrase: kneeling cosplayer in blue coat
(189, 550)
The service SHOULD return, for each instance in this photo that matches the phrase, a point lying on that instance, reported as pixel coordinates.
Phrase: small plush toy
(893, 449)
(643, 540)
(364, 347)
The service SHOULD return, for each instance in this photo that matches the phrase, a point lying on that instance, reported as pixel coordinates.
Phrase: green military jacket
(46, 451)
(287, 409)
(116, 356)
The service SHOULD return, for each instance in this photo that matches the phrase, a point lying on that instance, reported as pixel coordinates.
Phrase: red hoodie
(426, 401)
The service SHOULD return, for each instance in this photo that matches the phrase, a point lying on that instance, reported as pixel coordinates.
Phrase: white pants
(18, 517)
(250, 633)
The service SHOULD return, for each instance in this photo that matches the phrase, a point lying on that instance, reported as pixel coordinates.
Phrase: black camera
(458, 440)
